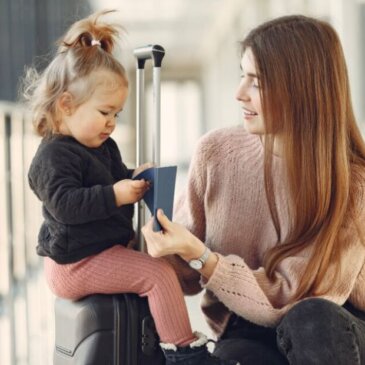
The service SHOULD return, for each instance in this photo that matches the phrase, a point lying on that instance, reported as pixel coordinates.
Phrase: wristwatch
(198, 263)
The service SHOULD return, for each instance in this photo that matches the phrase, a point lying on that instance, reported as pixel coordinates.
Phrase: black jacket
(75, 185)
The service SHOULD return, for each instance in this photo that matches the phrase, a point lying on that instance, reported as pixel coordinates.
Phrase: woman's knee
(318, 331)
(310, 314)
(309, 319)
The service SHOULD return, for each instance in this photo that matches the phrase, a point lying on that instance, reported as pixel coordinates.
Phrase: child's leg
(122, 270)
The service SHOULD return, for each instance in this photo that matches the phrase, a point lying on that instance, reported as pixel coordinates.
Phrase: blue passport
(161, 193)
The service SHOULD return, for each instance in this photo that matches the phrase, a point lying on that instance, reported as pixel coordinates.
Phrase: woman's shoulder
(228, 140)
(224, 134)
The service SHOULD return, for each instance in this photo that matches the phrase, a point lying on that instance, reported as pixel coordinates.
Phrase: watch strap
(204, 257)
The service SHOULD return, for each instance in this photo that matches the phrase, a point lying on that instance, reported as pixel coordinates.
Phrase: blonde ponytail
(83, 32)
(85, 48)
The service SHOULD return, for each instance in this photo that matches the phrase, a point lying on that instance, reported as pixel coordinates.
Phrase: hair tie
(95, 42)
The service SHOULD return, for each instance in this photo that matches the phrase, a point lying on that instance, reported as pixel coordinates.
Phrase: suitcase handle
(142, 54)
(145, 53)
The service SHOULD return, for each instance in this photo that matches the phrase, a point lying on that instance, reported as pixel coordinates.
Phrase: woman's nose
(241, 93)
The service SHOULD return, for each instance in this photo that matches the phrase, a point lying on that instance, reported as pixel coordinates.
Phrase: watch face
(196, 264)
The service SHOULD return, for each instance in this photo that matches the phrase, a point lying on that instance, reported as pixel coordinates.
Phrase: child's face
(92, 122)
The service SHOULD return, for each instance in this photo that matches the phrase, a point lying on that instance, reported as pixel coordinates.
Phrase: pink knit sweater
(226, 207)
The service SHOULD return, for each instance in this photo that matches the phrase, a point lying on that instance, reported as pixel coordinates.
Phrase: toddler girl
(88, 193)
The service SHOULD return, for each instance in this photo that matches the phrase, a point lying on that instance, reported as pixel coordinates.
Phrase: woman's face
(248, 94)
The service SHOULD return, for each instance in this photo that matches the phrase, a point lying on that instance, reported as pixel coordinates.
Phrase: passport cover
(161, 193)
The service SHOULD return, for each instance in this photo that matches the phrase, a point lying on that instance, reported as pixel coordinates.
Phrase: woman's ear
(65, 103)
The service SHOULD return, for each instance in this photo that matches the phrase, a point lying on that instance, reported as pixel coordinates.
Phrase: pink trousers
(123, 270)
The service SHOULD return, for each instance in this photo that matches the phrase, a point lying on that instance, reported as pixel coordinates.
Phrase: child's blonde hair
(85, 48)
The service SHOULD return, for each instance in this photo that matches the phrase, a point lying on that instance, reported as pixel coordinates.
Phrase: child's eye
(116, 115)
(103, 113)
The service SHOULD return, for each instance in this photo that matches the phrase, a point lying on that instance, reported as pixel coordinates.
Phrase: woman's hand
(174, 239)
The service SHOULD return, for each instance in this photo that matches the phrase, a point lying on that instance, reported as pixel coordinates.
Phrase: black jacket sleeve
(56, 176)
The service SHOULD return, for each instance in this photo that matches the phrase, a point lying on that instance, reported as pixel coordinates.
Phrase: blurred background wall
(199, 78)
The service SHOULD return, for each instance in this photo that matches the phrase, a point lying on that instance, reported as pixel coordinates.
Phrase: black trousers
(315, 331)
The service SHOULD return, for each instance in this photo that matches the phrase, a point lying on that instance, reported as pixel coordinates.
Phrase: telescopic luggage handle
(143, 54)
(151, 51)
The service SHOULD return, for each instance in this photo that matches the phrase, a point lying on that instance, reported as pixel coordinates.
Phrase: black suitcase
(106, 330)
(114, 329)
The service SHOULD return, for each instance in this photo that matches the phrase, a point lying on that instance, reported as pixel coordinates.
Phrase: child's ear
(65, 103)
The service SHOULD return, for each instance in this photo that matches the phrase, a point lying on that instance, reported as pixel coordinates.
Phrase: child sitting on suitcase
(88, 193)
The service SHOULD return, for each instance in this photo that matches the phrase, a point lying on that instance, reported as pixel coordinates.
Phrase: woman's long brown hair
(306, 101)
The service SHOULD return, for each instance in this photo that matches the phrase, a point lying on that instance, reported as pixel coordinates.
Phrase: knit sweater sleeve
(56, 178)
(251, 294)
(189, 211)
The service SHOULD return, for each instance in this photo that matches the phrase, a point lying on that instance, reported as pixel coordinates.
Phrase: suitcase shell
(106, 330)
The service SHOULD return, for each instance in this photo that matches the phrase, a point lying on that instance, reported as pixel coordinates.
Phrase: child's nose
(111, 121)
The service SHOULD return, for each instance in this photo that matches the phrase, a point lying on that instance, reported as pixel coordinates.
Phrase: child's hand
(129, 191)
(141, 168)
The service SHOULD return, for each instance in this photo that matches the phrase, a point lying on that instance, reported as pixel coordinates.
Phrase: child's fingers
(139, 184)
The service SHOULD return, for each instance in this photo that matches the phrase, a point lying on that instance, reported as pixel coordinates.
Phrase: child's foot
(194, 354)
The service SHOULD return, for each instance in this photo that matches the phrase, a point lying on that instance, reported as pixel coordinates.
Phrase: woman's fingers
(147, 228)
(153, 246)
(163, 220)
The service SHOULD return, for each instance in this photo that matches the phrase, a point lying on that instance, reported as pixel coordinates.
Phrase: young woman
(271, 223)
(88, 193)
